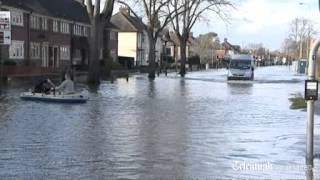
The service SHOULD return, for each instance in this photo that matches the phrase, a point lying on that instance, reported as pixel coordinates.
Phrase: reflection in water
(240, 87)
(169, 128)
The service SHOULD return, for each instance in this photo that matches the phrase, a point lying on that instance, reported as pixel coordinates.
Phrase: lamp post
(311, 95)
(308, 35)
(1, 61)
(166, 38)
(166, 57)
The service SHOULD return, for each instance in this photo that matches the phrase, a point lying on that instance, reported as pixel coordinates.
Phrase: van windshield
(240, 64)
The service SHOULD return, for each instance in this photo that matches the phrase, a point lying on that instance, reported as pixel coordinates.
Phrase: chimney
(124, 10)
(225, 40)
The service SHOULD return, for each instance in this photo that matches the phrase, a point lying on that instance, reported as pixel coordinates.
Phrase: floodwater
(200, 127)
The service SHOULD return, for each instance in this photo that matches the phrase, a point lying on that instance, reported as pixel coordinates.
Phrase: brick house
(110, 42)
(47, 33)
(173, 46)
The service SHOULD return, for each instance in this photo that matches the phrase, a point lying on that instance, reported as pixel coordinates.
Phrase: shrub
(297, 101)
(109, 66)
(194, 60)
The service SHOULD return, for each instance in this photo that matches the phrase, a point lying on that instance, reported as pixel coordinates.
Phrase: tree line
(178, 15)
(300, 36)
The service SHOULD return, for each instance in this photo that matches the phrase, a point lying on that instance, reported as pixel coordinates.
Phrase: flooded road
(200, 127)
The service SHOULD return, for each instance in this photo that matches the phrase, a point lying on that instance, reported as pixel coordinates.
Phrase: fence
(27, 70)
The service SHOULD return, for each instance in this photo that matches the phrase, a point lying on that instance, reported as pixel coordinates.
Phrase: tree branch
(89, 8)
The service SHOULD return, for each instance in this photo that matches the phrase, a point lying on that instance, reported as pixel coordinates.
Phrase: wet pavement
(200, 127)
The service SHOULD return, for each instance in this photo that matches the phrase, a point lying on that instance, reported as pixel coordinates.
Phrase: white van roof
(241, 57)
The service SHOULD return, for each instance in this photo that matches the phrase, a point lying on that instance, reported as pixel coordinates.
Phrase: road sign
(5, 28)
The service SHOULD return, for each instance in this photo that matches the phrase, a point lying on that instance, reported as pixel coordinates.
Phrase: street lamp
(166, 38)
(309, 31)
(1, 61)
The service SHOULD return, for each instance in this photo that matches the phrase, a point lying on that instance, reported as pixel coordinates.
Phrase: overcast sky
(259, 21)
(265, 21)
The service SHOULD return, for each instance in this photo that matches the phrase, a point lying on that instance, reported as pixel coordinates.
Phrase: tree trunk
(95, 46)
(183, 55)
(152, 57)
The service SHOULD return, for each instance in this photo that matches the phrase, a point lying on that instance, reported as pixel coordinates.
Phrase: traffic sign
(5, 28)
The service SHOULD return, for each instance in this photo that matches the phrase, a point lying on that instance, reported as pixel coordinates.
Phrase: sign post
(5, 38)
(311, 95)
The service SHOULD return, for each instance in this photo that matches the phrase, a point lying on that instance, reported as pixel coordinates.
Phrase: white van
(241, 67)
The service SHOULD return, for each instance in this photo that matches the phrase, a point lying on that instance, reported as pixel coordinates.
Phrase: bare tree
(157, 19)
(192, 11)
(204, 46)
(98, 19)
(289, 47)
(301, 32)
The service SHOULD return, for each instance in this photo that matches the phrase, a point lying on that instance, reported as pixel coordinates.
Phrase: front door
(45, 55)
(53, 57)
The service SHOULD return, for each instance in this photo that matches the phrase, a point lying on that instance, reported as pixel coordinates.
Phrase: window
(16, 50)
(77, 30)
(65, 53)
(35, 50)
(55, 26)
(64, 28)
(80, 30)
(16, 18)
(35, 22)
(44, 23)
(77, 55)
(112, 35)
(168, 51)
(85, 31)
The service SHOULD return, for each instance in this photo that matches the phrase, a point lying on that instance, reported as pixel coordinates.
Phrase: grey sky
(259, 21)
(264, 21)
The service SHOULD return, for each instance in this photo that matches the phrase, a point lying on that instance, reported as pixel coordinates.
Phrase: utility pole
(300, 48)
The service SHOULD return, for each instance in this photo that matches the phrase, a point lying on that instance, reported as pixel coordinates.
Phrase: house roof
(175, 40)
(127, 23)
(111, 26)
(229, 46)
(65, 9)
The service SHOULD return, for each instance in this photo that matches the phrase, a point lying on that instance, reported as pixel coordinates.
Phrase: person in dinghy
(67, 86)
(43, 86)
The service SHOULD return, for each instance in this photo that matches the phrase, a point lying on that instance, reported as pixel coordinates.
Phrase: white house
(133, 39)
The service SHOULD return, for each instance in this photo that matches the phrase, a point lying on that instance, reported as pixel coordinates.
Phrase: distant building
(174, 49)
(229, 48)
(48, 33)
